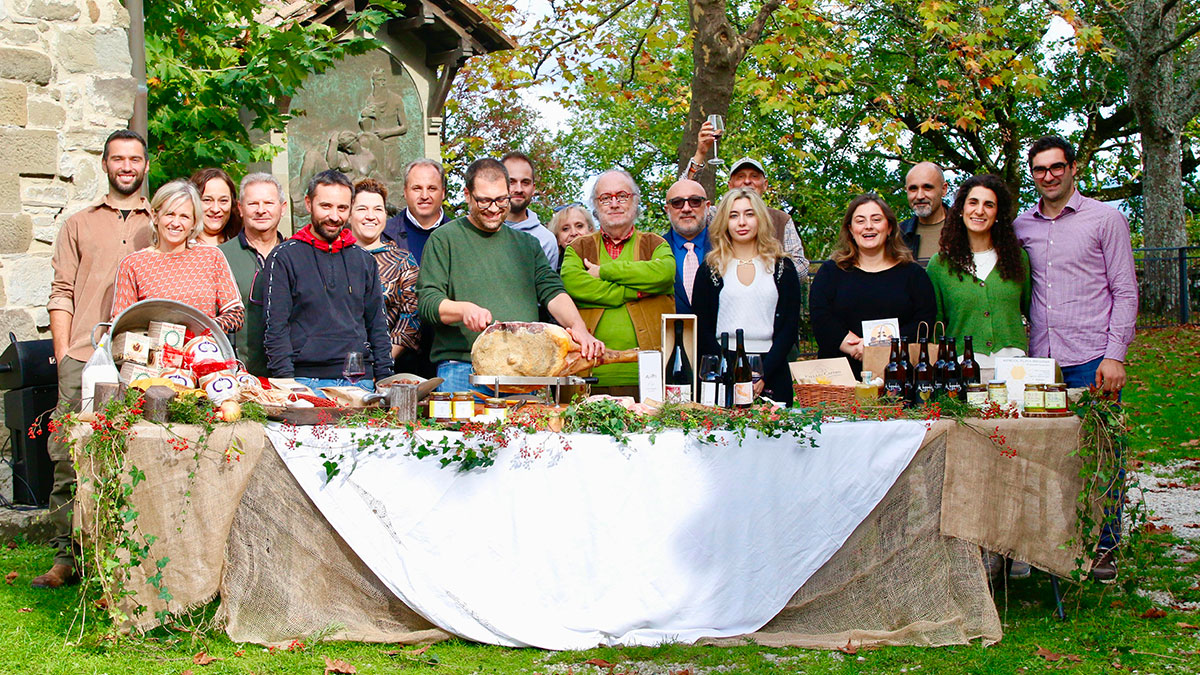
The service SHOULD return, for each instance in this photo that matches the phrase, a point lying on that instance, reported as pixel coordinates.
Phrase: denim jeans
(1082, 376)
(316, 383)
(457, 377)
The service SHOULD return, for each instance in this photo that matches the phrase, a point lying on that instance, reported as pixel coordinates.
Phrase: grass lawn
(1107, 629)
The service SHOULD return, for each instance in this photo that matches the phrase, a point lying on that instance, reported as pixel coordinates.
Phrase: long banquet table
(870, 536)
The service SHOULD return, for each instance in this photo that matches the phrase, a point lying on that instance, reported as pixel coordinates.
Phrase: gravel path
(1175, 502)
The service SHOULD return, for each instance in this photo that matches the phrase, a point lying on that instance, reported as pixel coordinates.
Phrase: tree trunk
(1152, 97)
(716, 54)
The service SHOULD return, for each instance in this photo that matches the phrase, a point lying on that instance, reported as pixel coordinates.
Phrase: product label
(464, 410)
(439, 410)
(1035, 399)
(1056, 400)
(743, 393)
(998, 395)
(977, 398)
(221, 389)
(679, 393)
(708, 393)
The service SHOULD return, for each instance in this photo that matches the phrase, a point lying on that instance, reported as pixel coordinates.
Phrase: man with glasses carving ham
(476, 271)
(621, 278)
(1084, 290)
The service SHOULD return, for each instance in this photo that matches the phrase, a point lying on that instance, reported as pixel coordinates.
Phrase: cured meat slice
(534, 349)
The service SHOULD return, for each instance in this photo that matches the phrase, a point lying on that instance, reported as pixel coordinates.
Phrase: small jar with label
(495, 409)
(441, 407)
(1056, 397)
(865, 392)
(464, 405)
(1035, 398)
(977, 394)
(997, 392)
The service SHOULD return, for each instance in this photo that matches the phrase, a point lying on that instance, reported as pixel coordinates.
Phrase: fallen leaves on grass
(338, 666)
(1187, 626)
(1152, 613)
(25, 610)
(203, 659)
(12, 545)
(600, 663)
(1151, 528)
(849, 648)
(1195, 442)
(1053, 656)
(11, 577)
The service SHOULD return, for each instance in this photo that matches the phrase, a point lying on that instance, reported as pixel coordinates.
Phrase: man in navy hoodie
(323, 296)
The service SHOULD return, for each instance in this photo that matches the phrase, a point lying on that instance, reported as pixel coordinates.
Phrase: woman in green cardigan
(980, 273)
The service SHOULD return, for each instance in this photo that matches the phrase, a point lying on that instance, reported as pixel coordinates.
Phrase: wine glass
(353, 368)
(718, 125)
(709, 365)
(756, 367)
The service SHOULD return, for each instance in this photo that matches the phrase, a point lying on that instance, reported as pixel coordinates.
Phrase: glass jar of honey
(440, 406)
(464, 405)
(977, 394)
(1035, 398)
(997, 392)
(1056, 397)
(495, 409)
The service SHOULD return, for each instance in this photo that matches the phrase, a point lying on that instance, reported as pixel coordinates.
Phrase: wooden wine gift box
(689, 343)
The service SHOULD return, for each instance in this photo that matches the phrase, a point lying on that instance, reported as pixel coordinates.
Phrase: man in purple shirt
(1084, 290)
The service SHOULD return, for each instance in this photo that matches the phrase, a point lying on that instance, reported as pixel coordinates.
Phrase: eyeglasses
(678, 202)
(618, 197)
(487, 204)
(1056, 169)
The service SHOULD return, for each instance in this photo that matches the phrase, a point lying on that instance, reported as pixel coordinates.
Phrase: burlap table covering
(896, 580)
(1021, 506)
(190, 516)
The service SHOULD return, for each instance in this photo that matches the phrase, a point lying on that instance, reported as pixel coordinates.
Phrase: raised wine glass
(354, 368)
(718, 125)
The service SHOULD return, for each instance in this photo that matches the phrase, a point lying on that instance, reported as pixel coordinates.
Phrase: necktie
(691, 263)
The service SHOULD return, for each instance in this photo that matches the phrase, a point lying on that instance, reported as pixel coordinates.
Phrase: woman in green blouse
(980, 273)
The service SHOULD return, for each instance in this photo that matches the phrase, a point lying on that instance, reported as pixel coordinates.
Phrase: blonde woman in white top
(748, 282)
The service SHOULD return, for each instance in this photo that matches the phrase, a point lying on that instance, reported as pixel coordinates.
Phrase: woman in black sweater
(746, 281)
(872, 275)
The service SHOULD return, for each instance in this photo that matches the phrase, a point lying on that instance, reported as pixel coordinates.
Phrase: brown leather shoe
(1104, 569)
(59, 575)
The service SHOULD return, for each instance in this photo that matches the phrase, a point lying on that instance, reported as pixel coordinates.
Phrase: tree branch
(571, 38)
(1109, 194)
(1177, 42)
(637, 48)
(1118, 18)
(750, 37)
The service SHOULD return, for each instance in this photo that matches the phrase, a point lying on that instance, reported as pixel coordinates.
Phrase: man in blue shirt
(424, 192)
(687, 208)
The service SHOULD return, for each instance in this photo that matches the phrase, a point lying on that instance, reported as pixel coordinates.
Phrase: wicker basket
(808, 395)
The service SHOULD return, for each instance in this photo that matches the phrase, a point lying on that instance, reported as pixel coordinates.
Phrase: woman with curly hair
(747, 281)
(871, 275)
(980, 273)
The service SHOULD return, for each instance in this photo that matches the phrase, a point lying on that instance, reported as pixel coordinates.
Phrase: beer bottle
(970, 367)
(939, 369)
(910, 373)
(893, 376)
(954, 385)
(924, 371)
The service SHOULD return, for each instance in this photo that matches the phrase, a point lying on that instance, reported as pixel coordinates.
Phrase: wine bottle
(724, 375)
(909, 373)
(743, 379)
(924, 371)
(893, 376)
(939, 369)
(679, 371)
(970, 367)
(954, 385)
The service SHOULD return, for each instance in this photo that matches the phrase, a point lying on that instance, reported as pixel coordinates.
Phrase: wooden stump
(402, 399)
(105, 392)
(157, 398)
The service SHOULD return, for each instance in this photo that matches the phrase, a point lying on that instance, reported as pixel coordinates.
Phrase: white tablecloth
(603, 543)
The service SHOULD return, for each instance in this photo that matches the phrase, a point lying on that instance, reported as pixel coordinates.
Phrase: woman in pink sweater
(174, 267)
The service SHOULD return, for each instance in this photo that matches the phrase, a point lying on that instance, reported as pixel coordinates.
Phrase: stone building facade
(65, 83)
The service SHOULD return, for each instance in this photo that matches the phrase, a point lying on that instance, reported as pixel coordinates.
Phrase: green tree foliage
(213, 70)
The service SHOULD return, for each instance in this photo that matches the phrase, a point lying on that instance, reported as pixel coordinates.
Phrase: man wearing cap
(749, 172)
(687, 208)
(925, 187)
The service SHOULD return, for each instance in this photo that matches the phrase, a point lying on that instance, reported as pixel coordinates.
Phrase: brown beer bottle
(970, 367)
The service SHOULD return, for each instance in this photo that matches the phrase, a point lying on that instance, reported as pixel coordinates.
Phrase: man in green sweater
(622, 279)
(475, 271)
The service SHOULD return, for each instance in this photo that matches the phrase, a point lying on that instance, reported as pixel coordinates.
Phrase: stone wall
(64, 85)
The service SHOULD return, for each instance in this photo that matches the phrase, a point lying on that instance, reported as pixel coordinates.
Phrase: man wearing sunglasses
(1084, 290)
(476, 271)
(687, 209)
